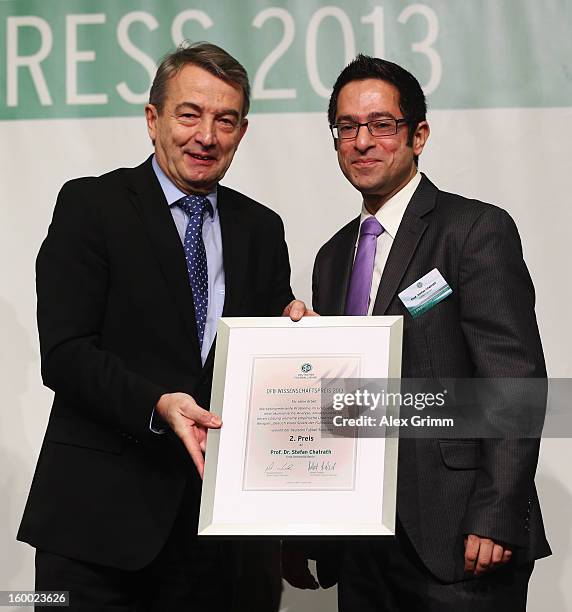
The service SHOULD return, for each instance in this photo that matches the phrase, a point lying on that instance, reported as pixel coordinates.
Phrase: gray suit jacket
(486, 328)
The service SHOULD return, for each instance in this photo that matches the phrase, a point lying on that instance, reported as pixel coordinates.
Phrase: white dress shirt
(213, 246)
(389, 215)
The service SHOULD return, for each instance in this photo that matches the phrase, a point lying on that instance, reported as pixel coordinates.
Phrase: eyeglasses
(377, 128)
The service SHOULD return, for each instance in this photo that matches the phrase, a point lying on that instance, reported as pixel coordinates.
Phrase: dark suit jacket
(485, 328)
(117, 330)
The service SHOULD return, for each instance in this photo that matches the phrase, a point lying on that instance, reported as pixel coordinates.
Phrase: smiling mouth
(365, 162)
(203, 158)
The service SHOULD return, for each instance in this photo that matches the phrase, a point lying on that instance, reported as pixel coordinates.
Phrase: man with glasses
(468, 520)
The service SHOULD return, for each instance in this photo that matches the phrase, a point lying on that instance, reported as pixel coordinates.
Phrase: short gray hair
(207, 56)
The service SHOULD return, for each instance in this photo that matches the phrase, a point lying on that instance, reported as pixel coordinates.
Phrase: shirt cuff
(156, 424)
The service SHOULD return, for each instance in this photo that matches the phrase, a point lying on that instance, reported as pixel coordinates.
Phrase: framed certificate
(272, 469)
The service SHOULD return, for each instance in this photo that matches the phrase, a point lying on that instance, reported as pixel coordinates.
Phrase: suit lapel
(235, 239)
(152, 207)
(334, 298)
(410, 230)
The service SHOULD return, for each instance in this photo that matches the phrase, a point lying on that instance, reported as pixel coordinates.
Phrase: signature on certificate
(321, 466)
(279, 467)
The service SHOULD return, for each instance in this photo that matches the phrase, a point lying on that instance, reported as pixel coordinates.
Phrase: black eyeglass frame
(398, 122)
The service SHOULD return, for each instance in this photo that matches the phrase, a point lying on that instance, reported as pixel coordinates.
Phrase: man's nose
(206, 133)
(364, 140)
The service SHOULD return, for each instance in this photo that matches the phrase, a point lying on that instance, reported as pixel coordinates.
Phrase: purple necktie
(357, 301)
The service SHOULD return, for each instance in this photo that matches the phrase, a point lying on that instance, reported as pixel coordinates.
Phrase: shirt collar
(391, 213)
(173, 193)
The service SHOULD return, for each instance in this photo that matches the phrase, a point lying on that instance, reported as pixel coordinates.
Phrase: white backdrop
(496, 155)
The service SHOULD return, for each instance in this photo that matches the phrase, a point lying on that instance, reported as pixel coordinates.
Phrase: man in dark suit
(137, 267)
(468, 520)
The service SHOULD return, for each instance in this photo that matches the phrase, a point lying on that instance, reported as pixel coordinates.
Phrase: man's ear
(243, 128)
(151, 118)
(420, 137)
(335, 144)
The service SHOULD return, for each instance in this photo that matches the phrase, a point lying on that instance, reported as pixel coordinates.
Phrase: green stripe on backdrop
(95, 58)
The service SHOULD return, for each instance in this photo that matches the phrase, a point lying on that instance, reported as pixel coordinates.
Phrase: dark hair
(411, 97)
(204, 55)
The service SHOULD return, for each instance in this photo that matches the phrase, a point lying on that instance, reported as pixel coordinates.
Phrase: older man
(468, 520)
(137, 267)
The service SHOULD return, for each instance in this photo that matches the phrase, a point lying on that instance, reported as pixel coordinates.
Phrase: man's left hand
(484, 554)
(296, 309)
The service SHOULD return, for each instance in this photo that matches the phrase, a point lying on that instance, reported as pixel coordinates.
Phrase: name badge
(425, 293)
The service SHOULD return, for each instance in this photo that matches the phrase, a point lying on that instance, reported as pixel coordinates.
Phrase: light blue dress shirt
(213, 246)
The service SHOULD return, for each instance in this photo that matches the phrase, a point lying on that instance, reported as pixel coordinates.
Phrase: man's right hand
(190, 422)
(295, 568)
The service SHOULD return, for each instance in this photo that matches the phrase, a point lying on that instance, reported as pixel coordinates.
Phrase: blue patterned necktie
(196, 256)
